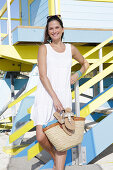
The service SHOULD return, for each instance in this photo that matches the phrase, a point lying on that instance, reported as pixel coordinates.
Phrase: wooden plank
(4, 8)
(95, 48)
(22, 97)
(96, 102)
(24, 152)
(96, 79)
(14, 150)
(98, 62)
(104, 110)
(51, 7)
(10, 65)
(66, 28)
(34, 150)
(19, 53)
(89, 14)
(98, 138)
(21, 131)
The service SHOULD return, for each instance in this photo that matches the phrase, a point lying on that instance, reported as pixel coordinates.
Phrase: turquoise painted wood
(38, 12)
(98, 138)
(87, 14)
(5, 93)
(24, 7)
(24, 152)
(37, 35)
(95, 140)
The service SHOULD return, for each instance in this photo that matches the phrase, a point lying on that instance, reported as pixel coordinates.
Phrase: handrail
(4, 8)
(95, 79)
(15, 19)
(22, 97)
(96, 64)
(92, 67)
(95, 49)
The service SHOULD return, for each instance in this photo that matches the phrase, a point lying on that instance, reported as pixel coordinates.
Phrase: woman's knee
(40, 134)
(40, 138)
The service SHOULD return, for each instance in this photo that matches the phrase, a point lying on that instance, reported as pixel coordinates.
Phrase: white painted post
(95, 89)
(77, 106)
(100, 70)
(77, 111)
(13, 109)
(9, 22)
(56, 6)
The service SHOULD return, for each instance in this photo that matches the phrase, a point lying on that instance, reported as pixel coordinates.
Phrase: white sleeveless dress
(58, 72)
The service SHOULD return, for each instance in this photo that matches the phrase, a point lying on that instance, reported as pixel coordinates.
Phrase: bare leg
(60, 158)
(44, 142)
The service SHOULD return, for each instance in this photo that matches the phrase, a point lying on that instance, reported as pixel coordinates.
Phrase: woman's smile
(55, 30)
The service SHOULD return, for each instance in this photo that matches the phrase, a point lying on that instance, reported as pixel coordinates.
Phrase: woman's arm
(42, 66)
(84, 63)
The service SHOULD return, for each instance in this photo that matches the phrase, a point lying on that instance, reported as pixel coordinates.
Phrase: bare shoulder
(42, 47)
(74, 50)
(42, 50)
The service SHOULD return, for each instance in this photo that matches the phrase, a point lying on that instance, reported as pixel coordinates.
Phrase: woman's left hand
(74, 78)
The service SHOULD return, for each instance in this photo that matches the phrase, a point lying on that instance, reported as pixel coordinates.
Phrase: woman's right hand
(57, 104)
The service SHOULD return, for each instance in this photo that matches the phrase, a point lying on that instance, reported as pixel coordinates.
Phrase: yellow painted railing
(95, 49)
(91, 68)
(22, 97)
(21, 131)
(98, 77)
(4, 8)
(91, 107)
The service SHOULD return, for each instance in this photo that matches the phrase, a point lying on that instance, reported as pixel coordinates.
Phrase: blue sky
(14, 14)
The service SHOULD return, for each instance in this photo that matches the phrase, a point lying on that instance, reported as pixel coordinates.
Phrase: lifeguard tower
(89, 26)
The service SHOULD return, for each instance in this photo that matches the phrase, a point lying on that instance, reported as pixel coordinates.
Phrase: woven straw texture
(61, 140)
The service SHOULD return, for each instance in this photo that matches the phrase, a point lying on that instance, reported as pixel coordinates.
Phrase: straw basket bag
(60, 139)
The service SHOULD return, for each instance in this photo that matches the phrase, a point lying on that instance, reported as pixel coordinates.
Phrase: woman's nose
(54, 30)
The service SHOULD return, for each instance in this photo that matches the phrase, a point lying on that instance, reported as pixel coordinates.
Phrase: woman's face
(55, 30)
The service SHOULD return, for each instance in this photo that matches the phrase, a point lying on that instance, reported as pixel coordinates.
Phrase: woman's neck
(57, 43)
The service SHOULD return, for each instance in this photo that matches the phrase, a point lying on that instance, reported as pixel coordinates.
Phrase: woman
(53, 90)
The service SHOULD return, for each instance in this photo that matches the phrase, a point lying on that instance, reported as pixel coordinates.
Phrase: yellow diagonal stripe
(29, 110)
(22, 97)
(19, 53)
(96, 103)
(14, 150)
(94, 80)
(29, 125)
(4, 8)
(5, 126)
(100, 61)
(95, 49)
(33, 151)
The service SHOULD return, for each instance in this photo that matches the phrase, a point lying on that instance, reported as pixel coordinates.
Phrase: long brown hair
(47, 38)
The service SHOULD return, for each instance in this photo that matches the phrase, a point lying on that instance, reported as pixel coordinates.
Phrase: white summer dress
(58, 72)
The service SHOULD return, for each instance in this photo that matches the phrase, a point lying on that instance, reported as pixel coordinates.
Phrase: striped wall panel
(24, 6)
(38, 12)
(87, 14)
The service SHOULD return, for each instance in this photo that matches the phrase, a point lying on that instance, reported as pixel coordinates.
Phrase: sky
(14, 14)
